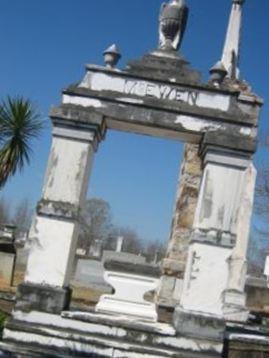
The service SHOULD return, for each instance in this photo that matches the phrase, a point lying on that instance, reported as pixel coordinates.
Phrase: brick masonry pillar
(185, 205)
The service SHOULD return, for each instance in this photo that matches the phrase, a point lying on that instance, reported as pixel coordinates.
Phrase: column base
(42, 298)
(234, 307)
(168, 295)
(199, 325)
(169, 292)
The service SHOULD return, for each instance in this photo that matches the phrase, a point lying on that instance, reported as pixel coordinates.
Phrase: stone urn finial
(239, 2)
(173, 21)
(112, 56)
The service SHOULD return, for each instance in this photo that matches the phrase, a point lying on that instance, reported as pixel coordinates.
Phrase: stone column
(186, 201)
(215, 268)
(54, 231)
(235, 296)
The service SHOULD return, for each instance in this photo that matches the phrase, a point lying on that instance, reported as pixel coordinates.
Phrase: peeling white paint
(205, 279)
(196, 124)
(82, 101)
(148, 89)
(100, 338)
(248, 337)
(220, 195)
(68, 166)
(246, 131)
(190, 344)
(121, 354)
(94, 345)
(238, 262)
(58, 321)
(213, 101)
(51, 242)
(32, 338)
(160, 328)
(130, 100)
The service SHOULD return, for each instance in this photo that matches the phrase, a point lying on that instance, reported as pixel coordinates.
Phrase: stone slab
(78, 338)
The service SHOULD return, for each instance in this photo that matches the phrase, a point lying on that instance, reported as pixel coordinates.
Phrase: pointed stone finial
(112, 56)
(173, 21)
(230, 55)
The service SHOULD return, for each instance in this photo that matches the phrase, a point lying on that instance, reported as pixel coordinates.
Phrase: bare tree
(4, 211)
(22, 216)
(95, 222)
(262, 195)
(154, 250)
(260, 231)
(132, 243)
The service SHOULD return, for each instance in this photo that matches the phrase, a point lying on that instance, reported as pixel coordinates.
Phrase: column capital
(229, 146)
(77, 123)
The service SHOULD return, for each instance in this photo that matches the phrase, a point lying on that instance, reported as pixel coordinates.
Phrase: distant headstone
(7, 254)
(120, 240)
(123, 257)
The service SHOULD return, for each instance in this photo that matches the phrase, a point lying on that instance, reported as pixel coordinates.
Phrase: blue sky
(44, 47)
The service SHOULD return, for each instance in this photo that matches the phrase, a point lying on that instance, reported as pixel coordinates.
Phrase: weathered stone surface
(50, 239)
(257, 292)
(63, 210)
(168, 293)
(164, 66)
(42, 298)
(205, 279)
(163, 104)
(7, 266)
(235, 296)
(76, 123)
(220, 236)
(246, 342)
(194, 324)
(221, 192)
(181, 228)
(234, 144)
(186, 202)
(98, 338)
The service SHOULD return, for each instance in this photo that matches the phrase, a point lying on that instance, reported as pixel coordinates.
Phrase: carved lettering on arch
(159, 91)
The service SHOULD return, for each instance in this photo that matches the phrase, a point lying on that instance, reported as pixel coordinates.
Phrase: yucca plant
(20, 123)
